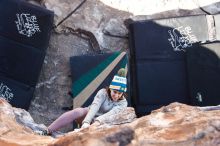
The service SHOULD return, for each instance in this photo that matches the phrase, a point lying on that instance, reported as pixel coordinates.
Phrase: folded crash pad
(24, 37)
(17, 94)
(161, 82)
(25, 23)
(203, 65)
(157, 59)
(20, 62)
(90, 73)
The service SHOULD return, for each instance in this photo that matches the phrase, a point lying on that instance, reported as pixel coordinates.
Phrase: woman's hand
(96, 123)
(85, 125)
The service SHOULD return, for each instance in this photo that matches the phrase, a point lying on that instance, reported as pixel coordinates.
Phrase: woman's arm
(96, 104)
(122, 104)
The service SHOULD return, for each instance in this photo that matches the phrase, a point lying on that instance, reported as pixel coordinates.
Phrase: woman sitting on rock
(108, 101)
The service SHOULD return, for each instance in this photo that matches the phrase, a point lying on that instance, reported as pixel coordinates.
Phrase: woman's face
(115, 94)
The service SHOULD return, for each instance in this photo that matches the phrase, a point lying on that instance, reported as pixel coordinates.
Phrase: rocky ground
(98, 25)
(173, 125)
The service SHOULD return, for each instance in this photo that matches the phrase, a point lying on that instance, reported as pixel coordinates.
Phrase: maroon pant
(77, 114)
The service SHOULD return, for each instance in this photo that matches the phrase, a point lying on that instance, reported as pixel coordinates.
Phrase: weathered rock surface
(173, 125)
(91, 20)
(14, 134)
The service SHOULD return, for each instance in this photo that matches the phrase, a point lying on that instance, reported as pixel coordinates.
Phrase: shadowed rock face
(173, 125)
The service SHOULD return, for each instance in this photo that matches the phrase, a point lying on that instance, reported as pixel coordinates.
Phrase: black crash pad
(157, 59)
(25, 23)
(17, 94)
(24, 37)
(19, 62)
(161, 82)
(203, 65)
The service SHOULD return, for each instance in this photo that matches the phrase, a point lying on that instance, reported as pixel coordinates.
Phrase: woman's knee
(81, 114)
(80, 111)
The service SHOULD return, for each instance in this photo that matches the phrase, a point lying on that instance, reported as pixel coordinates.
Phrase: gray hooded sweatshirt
(102, 107)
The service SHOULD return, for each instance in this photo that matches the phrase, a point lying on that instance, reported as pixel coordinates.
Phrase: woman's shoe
(44, 132)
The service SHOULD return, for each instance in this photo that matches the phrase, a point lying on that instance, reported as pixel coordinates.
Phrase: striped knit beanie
(119, 81)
